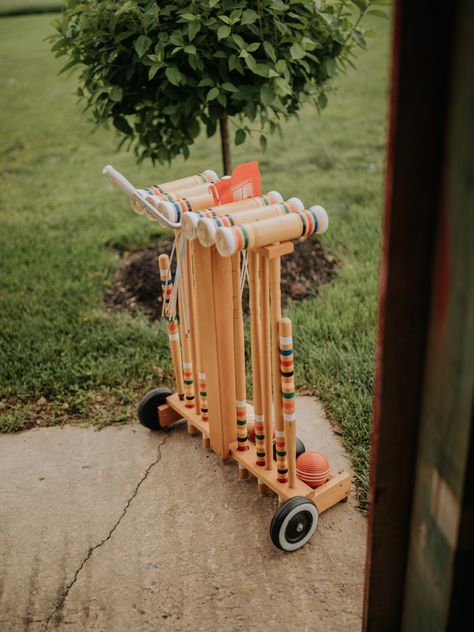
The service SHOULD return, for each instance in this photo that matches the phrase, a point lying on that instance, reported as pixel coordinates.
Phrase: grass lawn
(63, 356)
(18, 7)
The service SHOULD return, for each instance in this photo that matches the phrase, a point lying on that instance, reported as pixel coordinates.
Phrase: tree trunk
(225, 146)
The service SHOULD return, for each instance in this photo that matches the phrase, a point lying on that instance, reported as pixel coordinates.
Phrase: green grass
(24, 7)
(60, 218)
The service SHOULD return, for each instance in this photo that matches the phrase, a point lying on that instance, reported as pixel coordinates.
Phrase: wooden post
(266, 361)
(275, 294)
(239, 354)
(424, 368)
(256, 354)
(193, 322)
(186, 347)
(287, 396)
(214, 310)
(199, 372)
(172, 323)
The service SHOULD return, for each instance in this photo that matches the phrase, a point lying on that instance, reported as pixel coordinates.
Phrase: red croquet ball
(312, 468)
(251, 431)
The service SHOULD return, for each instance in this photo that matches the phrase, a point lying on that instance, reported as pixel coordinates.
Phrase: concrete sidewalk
(127, 530)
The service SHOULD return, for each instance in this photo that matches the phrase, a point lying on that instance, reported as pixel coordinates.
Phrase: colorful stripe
(260, 440)
(242, 439)
(188, 384)
(245, 237)
(287, 379)
(172, 322)
(203, 397)
(282, 468)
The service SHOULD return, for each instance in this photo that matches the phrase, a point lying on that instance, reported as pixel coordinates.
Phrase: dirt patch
(136, 287)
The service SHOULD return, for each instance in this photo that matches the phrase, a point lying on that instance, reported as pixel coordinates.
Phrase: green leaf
(360, 4)
(253, 47)
(250, 61)
(322, 100)
(297, 51)
(262, 70)
(116, 94)
(142, 44)
(173, 75)
(212, 94)
(169, 110)
(223, 31)
(267, 94)
(225, 19)
(234, 64)
(249, 17)
(240, 136)
(359, 38)
(269, 50)
(193, 30)
(378, 12)
(229, 87)
(153, 70)
(239, 41)
(206, 82)
(212, 3)
(190, 49)
(263, 142)
(122, 125)
(330, 66)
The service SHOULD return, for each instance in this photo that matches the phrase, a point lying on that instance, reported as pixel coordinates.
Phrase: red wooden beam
(421, 72)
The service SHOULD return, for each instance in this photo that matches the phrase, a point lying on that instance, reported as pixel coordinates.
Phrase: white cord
(124, 185)
(244, 275)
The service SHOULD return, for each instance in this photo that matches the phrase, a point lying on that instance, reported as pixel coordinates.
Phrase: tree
(160, 71)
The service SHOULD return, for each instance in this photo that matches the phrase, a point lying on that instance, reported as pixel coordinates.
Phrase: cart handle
(122, 183)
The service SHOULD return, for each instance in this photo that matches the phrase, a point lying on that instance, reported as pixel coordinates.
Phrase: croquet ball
(251, 431)
(312, 468)
(300, 448)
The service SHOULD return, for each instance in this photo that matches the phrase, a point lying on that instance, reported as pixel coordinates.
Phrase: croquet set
(228, 233)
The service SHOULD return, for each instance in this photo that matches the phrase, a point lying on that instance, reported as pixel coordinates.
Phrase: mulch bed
(136, 286)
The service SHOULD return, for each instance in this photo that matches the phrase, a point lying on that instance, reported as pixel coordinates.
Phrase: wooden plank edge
(334, 491)
(185, 413)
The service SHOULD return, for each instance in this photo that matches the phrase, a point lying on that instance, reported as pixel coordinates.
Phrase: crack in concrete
(65, 594)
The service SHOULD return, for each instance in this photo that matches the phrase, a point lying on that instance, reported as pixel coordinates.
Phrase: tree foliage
(159, 71)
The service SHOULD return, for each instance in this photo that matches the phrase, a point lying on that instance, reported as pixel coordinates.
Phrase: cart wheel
(293, 523)
(148, 407)
(300, 448)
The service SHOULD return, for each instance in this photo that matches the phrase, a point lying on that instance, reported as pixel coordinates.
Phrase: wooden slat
(223, 338)
(332, 492)
(168, 415)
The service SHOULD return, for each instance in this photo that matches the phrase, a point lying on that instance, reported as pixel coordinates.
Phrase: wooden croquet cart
(207, 343)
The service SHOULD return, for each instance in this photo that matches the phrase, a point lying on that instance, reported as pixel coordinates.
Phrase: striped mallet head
(207, 227)
(230, 240)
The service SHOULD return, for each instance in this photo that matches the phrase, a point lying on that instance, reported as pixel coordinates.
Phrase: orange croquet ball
(312, 468)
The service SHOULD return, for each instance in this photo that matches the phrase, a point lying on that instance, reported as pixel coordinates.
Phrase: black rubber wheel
(300, 448)
(293, 523)
(148, 407)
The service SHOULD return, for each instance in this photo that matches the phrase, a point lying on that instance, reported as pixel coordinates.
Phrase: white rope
(124, 185)
(180, 278)
(244, 273)
(168, 273)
